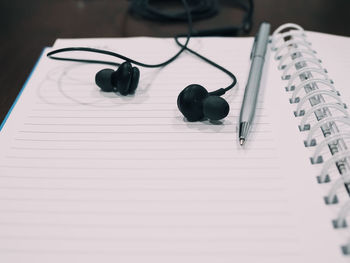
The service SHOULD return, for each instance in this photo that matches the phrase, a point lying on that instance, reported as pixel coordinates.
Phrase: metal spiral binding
(317, 158)
(308, 71)
(315, 61)
(299, 63)
(305, 52)
(303, 126)
(298, 88)
(312, 94)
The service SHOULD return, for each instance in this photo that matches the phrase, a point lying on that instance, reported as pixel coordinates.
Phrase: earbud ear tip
(122, 78)
(215, 108)
(134, 80)
(103, 79)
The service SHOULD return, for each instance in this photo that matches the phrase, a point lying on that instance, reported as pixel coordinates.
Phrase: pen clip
(253, 48)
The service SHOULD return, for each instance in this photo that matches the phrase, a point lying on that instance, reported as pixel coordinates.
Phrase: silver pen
(251, 92)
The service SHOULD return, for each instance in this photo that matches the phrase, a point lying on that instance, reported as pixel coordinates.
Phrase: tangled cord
(200, 9)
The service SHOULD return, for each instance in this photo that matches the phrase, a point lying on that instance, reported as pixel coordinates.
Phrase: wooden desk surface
(28, 26)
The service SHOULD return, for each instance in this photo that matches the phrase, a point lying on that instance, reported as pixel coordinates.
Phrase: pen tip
(241, 141)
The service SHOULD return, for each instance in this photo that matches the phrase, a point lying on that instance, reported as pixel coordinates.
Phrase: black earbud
(124, 80)
(196, 103)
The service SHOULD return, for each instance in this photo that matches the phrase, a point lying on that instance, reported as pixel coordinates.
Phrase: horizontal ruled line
(130, 140)
(167, 149)
(150, 214)
(128, 125)
(26, 200)
(153, 240)
(72, 102)
(79, 92)
(161, 189)
(118, 124)
(127, 110)
(134, 158)
(148, 177)
(121, 117)
(285, 255)
(196, 168)
(105, 110)
(98, 117)
(139, 132)
(172, 226)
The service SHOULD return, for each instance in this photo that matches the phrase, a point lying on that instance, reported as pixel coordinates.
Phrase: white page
(88, 176)
(334, 55)
(337, 62)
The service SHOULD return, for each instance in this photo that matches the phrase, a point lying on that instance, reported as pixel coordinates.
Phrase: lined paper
(88, 176)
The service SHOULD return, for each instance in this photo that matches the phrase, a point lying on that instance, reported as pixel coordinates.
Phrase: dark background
(29, 25)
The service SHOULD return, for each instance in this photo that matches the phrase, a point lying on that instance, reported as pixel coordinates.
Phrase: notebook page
(88, 176)
(334, 54)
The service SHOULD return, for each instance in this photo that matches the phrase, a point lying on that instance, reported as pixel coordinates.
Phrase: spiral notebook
(87, 176)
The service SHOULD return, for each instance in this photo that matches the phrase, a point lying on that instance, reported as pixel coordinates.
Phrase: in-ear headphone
(194, 102)
(123, 80)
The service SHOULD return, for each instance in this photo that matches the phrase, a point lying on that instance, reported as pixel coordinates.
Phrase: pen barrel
(252, 90)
